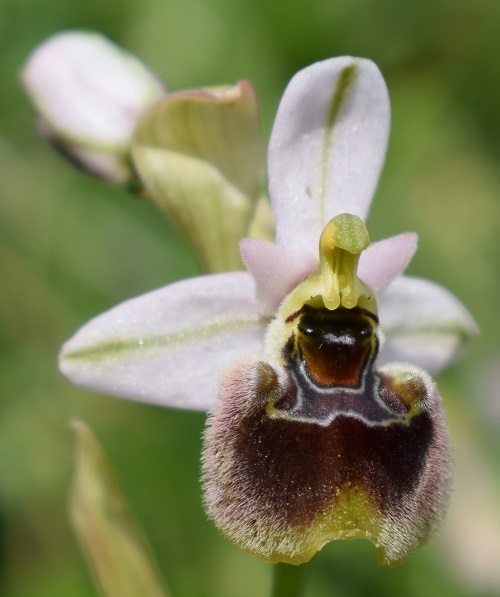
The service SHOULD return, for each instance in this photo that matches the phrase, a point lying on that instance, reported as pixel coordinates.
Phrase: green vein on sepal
(116, 347)
(344, 82)
(459, 332)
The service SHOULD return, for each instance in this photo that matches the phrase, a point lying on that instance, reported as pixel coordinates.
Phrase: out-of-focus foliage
(71, 247)
(116, 551)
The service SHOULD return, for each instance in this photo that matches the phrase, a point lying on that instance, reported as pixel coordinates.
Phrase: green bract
(121, 560)
(200, 156)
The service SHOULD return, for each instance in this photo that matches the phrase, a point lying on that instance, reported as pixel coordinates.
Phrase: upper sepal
(327, 147)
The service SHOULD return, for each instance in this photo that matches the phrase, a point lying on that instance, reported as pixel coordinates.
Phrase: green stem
(288, 580)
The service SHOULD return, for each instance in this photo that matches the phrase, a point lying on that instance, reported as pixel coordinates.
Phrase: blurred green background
(71, 247)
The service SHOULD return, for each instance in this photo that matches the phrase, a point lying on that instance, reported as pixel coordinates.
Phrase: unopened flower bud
(89, 94)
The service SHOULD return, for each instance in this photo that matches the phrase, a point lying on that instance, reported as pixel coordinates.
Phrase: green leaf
(200, 156)
(117, 552)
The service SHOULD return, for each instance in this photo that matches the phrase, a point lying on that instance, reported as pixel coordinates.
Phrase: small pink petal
(276, 270)
(385, 260)
(327, 147)
(169, 346)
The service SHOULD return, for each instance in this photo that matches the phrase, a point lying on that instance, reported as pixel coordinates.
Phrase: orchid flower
(314, 432)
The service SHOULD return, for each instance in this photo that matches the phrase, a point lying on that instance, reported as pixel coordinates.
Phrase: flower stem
(287, 581)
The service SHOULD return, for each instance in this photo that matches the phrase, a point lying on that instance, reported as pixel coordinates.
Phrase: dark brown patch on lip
(288, 466)
(298, 468)
(337, 424)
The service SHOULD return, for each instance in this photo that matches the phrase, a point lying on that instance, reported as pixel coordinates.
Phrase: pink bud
(89, 94)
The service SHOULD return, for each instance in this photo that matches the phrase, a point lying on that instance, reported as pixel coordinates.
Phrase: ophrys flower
(310, 439)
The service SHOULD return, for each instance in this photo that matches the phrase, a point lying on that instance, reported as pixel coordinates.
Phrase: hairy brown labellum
(326, 447)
